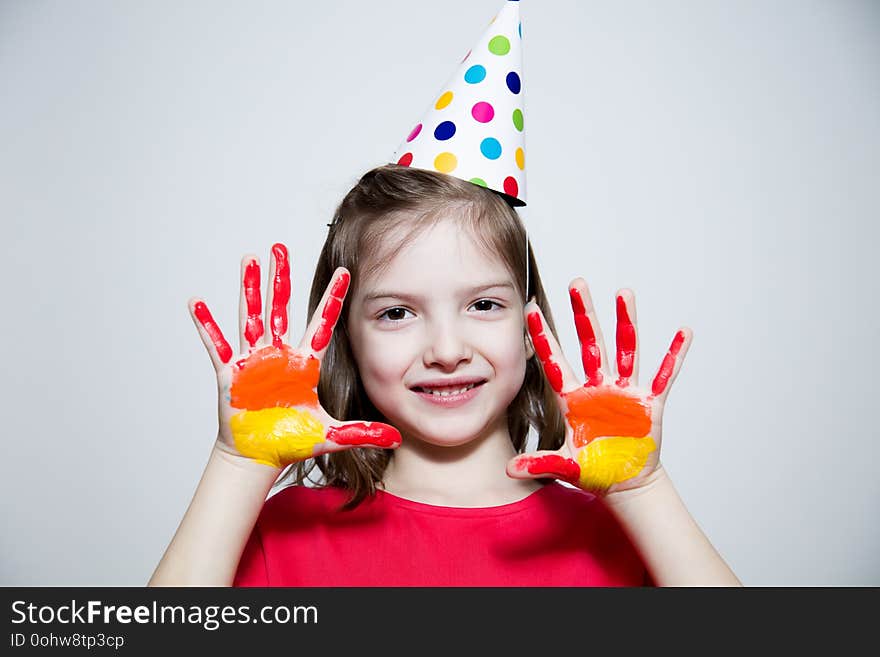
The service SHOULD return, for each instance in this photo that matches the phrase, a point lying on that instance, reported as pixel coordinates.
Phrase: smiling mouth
(447, 391)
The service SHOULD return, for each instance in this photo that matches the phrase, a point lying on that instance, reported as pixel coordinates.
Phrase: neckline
(466, 511)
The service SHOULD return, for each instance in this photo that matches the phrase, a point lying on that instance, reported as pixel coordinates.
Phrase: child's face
(443, 310)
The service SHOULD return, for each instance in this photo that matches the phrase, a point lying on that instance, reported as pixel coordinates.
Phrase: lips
(461, 383)
(449, 396)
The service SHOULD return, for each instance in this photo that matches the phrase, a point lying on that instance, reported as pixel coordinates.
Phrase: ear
(530, 350)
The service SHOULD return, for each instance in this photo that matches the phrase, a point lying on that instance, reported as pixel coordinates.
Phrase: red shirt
(556, 536)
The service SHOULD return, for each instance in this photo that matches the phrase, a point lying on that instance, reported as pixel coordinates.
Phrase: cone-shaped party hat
(474, 128)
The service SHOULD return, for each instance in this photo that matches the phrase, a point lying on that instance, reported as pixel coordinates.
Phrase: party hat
(474, 128)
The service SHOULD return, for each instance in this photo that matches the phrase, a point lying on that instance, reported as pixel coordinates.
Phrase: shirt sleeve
(252, 565)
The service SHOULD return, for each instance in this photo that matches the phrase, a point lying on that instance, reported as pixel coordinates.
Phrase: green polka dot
(478, 181)
(518, 119)
(499, 45)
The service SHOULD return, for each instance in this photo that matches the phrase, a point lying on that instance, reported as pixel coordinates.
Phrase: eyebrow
(382, 294)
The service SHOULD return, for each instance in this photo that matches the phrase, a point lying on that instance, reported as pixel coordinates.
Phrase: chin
(453, 433)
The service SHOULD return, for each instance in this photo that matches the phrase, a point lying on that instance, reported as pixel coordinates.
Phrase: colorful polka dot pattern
(474, 129)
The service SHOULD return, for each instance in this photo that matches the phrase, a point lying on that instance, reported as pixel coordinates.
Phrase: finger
(327, 313)
(672, 363)
(361, 434)
(278, 295)
(556, 368)
(542, 464)
(589, 333)
(250, 305)
(627, 348)
(212, 337)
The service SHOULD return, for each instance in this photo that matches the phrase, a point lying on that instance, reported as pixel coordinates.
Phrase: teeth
(446, 392)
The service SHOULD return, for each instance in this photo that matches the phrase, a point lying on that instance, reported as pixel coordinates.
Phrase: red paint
(590, 354)
(363, 433)
(253, 330)
(331, 312)
(626, 344)
(280, 293)
(552, 465)
(207, 321)
(542, 348)
(666, 369)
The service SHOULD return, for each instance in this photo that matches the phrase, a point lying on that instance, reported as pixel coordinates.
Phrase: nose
(447, 347)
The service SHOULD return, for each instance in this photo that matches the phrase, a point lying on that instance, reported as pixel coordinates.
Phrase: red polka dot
(407, 158)
(510, 187)
(415, 133)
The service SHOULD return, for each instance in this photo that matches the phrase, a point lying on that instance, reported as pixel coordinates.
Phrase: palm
(613, 427)
(268, 402)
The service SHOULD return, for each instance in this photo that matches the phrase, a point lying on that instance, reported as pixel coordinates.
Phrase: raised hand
(612, 438)
(268, 400)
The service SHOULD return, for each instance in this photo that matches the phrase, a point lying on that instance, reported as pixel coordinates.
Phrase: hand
(612, 437)
(268, 400)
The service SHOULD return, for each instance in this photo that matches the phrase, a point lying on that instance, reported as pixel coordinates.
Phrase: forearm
(673, 547)
(208, 544)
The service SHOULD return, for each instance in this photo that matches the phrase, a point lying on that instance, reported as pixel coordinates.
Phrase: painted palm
(268, 400)
(612, 439)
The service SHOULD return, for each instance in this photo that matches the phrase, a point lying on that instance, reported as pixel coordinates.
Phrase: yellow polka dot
(444, 100)
(445, 162)
(520, 158)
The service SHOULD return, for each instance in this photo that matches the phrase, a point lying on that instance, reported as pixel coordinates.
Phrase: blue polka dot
(444, 131)
(490, 148)
(475, 74)
(520, 30)
(513, 82)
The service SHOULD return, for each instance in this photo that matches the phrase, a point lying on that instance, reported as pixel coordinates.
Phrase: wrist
(649, 487)
(243, 466)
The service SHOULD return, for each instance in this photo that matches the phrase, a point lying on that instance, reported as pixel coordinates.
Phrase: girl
(420, 341)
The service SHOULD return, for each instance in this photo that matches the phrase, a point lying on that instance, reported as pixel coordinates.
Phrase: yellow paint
(520, 158)
(612, 460)
(444, 100)
(445, 162)
(276, 436)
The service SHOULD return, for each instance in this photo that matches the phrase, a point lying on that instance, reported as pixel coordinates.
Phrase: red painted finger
(250, 290)
(373, 434)
(591, 353)
(626, 343)
(556, 368)
(280, 294)
(203, 316)
(671, 363)
(331, 312)
(539, 465)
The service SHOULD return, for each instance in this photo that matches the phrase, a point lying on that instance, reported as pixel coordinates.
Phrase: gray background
(721, 158)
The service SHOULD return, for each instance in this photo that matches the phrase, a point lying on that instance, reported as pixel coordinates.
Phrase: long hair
(383, 200)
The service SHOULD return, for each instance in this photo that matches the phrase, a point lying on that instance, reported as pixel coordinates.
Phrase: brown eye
(485, 305)
(394, 314)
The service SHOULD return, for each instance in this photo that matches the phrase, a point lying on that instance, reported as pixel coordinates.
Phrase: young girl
(421, 343)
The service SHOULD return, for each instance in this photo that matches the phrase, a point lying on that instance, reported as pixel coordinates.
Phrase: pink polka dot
(510, 187)
(483, 112)
(406, 159)
(415, 132)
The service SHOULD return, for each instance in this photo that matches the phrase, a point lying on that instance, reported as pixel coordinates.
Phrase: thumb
(362, 434)
(542, 464)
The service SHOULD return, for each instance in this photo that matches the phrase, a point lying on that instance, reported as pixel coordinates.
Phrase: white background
(721, 158)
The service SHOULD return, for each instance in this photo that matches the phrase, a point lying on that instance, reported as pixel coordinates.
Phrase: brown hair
(384, 199)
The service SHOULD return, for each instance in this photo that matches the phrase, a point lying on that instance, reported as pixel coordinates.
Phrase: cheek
(508, 356)
(383, 360)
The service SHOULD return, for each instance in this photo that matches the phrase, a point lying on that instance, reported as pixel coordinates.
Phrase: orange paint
(605, 411)
(275, 376)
